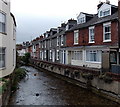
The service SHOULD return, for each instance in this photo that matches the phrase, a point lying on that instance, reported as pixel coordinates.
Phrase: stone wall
(88, 78)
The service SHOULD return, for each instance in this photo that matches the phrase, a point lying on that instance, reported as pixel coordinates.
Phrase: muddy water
(40, 88)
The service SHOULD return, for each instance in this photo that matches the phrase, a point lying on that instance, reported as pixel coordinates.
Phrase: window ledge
(3, 68)
(91, 42)
(3, 33)
(76, 43)
(93, 62)
(107, 41)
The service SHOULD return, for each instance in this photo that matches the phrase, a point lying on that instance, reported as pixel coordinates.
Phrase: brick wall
(84, 36)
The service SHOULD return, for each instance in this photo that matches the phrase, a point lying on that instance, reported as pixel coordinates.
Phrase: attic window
(104, 13)
(82, 20)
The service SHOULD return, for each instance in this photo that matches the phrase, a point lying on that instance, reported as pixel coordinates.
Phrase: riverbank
(9, 84)
(101, 84)
(45, 89)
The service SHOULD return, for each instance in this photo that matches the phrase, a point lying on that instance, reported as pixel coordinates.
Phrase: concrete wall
(8, 41)
(92, 80)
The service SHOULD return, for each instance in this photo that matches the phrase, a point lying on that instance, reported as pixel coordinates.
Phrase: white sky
(34, 17)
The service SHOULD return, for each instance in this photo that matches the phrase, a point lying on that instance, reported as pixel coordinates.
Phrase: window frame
(58, 55)
(50, 54)
(92, 52)
(108, 24)
(3, 32)
(57, 40)
(91, 28)
(4, 57)
(77, 55)
(76, 36)
(62, 40)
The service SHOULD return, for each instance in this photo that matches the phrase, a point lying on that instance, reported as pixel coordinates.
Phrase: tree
(25, 58)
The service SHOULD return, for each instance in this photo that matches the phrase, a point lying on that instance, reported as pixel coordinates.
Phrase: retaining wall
(109, 84)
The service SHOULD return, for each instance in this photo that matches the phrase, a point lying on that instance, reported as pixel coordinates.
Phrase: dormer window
(105, 13)
(104, 10)
(81, 18)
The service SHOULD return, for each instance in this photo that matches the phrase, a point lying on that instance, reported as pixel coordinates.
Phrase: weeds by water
(19, 74)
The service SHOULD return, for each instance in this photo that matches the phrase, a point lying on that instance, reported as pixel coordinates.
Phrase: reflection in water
(40, 88)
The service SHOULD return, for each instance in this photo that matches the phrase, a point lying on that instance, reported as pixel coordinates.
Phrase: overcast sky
(34, 17)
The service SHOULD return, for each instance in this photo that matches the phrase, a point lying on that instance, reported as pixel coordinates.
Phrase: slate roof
(95, 20)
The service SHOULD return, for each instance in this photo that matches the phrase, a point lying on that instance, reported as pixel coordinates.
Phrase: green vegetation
(19, 74)
(26, 58)
(3, 85)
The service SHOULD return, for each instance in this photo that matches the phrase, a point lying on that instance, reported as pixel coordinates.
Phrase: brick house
(94, 40)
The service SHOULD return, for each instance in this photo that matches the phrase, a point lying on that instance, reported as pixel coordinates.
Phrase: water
(40, 88)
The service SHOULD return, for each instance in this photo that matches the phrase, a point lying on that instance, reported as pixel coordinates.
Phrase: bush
(19, 74)
(4, 85)
(26, 58)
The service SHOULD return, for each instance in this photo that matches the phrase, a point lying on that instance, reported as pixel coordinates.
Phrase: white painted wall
(8, 41)
(83, 62)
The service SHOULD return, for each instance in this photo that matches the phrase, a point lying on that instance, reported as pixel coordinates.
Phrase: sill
(3, 68)
(107, 41)
(76, 43)
(3, 33)
(91, 42)
(93, 62)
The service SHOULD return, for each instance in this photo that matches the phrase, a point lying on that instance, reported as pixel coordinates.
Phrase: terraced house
(7, 39)
(94, 41)
(91, 41)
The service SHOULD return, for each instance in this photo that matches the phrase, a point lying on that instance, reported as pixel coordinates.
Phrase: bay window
(93, 55)
(77, 55)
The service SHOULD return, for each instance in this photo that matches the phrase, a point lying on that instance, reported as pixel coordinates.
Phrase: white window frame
(57, 55)
(57, 40)
(50, 54)
(76, 37)
(106, 10)
(92, 51)
(45, 54)
(61, 40)
(3, 22)
(77, 55)
(106, 25)
(93, 34)
(82, 20)
(45, 44)
(3, 67)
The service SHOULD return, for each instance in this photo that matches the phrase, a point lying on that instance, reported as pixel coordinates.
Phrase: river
(41, 88)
